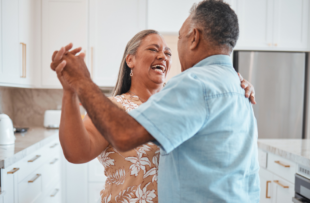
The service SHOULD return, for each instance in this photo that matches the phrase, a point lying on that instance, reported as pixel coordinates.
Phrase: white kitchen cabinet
(94, 190)
(266, 186)
(62, 22)
(111, 25)
(291, 24)
(283, 191)
(273, 24)
(20, 21)
(168, 16)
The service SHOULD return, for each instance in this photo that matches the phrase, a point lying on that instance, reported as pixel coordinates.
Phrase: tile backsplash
(26, 107)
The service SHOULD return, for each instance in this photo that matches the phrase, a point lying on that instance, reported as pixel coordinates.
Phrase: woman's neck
(143, 91)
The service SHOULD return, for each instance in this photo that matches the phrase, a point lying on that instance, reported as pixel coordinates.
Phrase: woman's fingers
(59, 54)
(68, 47)
(76, 50)
(54, 54)
(82, 55)
(60, 68)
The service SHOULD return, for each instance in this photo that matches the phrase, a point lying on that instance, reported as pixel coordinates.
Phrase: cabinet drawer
(53, 195)
(283, 191)
(30, 189)
(262, 158)
(282, 167)
(51, 170)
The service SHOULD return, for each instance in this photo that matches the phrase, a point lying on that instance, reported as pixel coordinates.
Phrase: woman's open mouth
(159, 68)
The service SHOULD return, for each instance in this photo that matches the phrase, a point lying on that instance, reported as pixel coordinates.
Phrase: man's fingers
(54, 54)
(68, 47)
(59, 54)
(244, 84)
(60, 68)
(248, 91)
(82, 55)
(75, 51)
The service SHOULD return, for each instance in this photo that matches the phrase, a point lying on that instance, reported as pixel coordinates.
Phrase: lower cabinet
(277, 184)
(83, 182)
(35, 178)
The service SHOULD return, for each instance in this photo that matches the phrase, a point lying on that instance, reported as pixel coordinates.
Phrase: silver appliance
(302, 189)
(279, 81)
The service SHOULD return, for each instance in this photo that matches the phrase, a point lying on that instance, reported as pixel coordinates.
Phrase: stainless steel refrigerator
(279, 79)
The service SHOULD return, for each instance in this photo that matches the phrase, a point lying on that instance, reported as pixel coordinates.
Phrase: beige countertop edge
(29, 142)
(297, 153)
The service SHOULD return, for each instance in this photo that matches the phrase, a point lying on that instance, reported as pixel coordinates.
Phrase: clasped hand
(70, 67)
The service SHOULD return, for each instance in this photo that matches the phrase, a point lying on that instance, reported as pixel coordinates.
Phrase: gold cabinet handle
(92, 62)
(55, 193)
(13, 171)
(269, 44)
(34, 179)
(24, 52)
(55, 160)
(54, 145)
(276, 44)
(267, 184)
(284, 165)
(284, 186)
(35, 158)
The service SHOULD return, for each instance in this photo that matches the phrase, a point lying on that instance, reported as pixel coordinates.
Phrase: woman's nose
(162, 55)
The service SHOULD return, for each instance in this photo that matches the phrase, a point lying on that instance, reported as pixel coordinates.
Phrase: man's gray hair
(217, 21)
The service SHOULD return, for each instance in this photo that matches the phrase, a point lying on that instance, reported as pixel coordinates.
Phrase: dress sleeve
(175, 114)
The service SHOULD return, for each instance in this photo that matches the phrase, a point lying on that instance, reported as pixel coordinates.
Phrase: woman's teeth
(159, 68)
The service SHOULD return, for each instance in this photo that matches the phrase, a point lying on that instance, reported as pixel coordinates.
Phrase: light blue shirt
(208, 136)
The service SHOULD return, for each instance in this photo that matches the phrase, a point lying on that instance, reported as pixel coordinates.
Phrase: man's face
(183, 44)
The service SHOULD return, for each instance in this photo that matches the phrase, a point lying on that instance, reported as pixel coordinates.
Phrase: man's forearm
(119, 128)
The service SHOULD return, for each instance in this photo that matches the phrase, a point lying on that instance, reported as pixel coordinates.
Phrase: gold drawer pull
(35, 158)
(55, 160)
(34, 179)
(13, 171)
(284, 186)
(55, 193)
(286, 166)
(54, 145)
(267, 184)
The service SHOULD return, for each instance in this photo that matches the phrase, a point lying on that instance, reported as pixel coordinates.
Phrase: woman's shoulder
(125, 101)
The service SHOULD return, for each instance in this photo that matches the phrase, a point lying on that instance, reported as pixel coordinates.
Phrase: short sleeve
(176, 113)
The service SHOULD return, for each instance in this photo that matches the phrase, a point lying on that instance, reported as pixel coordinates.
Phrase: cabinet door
(266, 186)
(96, 171)
(62, 22)
(29, 40)
(283, 191)
(111, 27)
(291, 24)
(255, 23)
(10, 71)
(94, 192)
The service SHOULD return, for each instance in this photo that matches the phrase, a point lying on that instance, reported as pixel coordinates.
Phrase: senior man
(201, 120)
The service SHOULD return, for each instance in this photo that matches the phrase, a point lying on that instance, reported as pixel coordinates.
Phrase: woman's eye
(169, 54)
(153, 49)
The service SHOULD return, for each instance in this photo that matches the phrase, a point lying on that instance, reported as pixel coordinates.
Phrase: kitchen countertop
(296, 150)
(25, 144)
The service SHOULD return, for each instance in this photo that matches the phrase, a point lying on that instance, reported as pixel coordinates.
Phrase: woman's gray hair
(124, 80)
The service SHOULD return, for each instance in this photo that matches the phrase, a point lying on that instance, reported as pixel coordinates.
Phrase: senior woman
(131, 176)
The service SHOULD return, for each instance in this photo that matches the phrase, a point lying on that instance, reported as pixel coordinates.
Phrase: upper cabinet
(168, 16)
(272, 24)
(62, 22)
(111, 25)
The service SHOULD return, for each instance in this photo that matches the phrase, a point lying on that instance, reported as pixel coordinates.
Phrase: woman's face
(152, 60)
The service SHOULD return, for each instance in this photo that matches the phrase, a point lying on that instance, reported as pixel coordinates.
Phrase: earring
(131, 73)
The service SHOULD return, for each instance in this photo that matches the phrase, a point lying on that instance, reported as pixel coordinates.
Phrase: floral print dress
(131, 176)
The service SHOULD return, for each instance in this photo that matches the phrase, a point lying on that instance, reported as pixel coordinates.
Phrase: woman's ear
(195, 39)
(130, 60)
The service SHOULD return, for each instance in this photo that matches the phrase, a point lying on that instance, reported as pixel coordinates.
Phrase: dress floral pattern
(131, 176)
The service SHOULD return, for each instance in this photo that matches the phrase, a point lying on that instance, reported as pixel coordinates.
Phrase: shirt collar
(215, 59)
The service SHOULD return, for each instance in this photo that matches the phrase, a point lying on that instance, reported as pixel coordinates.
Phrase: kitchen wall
(26, 107)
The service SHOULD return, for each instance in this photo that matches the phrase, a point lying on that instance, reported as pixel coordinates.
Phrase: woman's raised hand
(249, 89)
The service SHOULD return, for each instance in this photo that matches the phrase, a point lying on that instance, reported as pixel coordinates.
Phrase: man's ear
(195, 39)
(130, 60)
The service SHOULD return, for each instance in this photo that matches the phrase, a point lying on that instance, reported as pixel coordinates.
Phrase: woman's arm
(81, 142)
